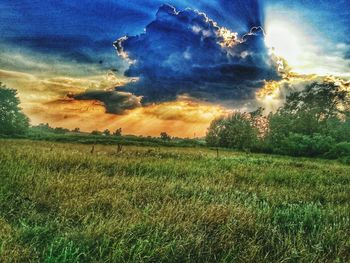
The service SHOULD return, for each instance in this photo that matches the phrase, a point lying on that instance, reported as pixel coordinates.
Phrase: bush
(304, 145)
(235, 131)
(340, 150)
(345, 160)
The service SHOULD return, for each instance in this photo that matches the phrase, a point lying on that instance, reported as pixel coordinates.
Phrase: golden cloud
(179, 118)
(45, 100)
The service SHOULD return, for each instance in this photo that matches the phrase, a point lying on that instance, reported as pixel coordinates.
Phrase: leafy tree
(118, 132)
(77, 130)
(339, 129)
(215, 131)
(339, 150)
(164, 136)
(236, 131)
(304, 145)
(95, 132)
(321, 108)
(42, 127)
(60, 130)
(106, 132)
(12, 120)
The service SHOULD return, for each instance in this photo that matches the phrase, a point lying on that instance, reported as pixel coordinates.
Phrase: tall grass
(60, 203)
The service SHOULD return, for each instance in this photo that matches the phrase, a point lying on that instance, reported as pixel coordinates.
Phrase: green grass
(59, 203)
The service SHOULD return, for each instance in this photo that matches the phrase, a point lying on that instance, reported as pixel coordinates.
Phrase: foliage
(12, 120)
(164, 136)
(60, 203)
(235, 131)
(309, 123)
(96, 132)
(60, 130)
(45, 128)
(304, 145)
(339, 150)
(321, 108)
(339, 129)
(214, 132)
(118, 132)
(106, 132)
(99, 138)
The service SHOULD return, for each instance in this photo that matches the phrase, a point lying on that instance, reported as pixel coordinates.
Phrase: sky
(153, 66)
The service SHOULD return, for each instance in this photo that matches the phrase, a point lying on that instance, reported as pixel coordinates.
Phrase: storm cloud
(114, 101)
(185, 52)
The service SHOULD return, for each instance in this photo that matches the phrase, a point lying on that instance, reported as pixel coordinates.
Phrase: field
(61, 203)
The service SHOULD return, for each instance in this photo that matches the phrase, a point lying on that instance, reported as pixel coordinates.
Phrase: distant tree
(60, 130)
(95, 132)
(164, 136)
(12, 120)
(77, 130)
(45, 128)
(106, 132)
(42, 127)
(118, 132)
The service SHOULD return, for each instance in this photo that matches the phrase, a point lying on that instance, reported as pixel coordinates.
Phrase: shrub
(235, 131)
(340, 150)
(304, 145)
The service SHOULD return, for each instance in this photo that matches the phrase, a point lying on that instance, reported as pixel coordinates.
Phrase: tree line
(314, 122)
(13, 122)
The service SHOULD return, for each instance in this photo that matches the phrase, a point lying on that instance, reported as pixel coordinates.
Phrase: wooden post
(217, 152)
(119, 148)
(92, 149)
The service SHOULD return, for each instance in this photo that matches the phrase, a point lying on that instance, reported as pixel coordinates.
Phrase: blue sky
(82, 32)
(176, 64)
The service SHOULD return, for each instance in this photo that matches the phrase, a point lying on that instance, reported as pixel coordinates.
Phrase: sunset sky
(153, 66)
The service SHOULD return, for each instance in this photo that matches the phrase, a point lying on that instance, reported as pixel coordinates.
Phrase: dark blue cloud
(98, 23)
(75, 30)
(114, 101)
(92, 26)
(187, 53)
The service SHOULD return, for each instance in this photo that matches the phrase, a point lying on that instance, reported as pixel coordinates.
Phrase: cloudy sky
(152, 66)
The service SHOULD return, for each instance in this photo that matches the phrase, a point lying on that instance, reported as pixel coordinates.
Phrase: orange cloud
(179, 118)
(32, 88)
(44, 100)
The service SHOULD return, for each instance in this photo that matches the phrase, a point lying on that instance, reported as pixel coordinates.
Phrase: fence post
(119, 148)
(92, 149)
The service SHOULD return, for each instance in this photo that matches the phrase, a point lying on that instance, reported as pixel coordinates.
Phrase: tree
(164, 136)
(12, 120)
(321, 108)
(106, 132)
(95, 132)
(118, 132)
(235, 131)
(214, 132)
(60, 130)
(77, 130)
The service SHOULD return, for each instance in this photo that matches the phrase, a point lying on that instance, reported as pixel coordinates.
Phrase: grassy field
(60, 203)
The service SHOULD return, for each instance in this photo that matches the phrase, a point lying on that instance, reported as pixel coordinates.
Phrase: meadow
(61, 203)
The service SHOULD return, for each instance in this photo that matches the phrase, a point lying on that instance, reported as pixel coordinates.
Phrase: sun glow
(287, 42)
